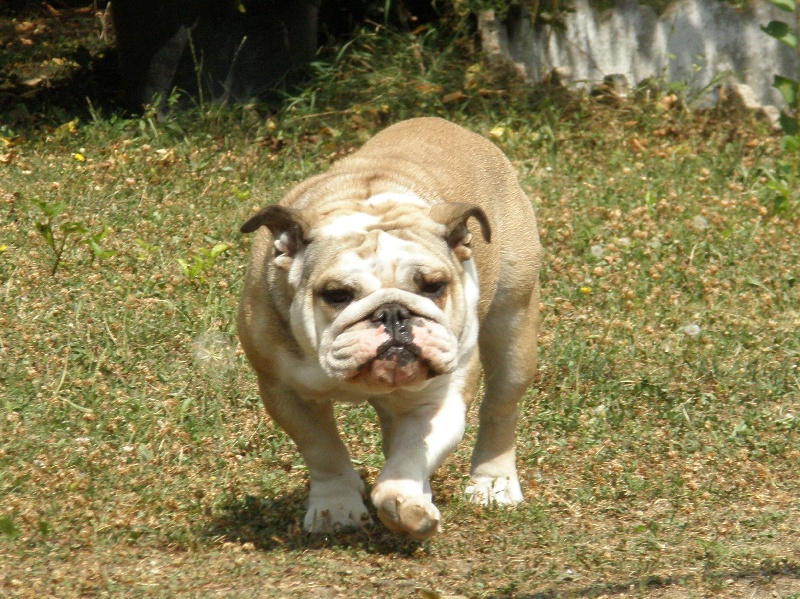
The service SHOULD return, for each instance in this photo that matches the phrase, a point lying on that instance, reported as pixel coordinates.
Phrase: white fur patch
(472, 295)
(389, 253)
(447, 425)
(472, 290)
(357, 222)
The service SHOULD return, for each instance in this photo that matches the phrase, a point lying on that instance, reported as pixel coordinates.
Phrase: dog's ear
(289, 230)
(454, 217)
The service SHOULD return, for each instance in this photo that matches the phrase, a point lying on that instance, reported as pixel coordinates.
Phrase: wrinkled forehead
(354, 245)
(400, 214)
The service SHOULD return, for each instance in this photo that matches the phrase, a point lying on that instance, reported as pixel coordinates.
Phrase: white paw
(332, 515)
(485, 490)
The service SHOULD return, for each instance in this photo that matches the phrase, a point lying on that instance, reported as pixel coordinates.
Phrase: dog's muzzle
(399, 342)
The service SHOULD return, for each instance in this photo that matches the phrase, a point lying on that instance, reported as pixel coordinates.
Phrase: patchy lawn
(659, 450)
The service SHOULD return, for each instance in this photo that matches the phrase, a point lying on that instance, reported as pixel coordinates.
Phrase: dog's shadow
(276, 523)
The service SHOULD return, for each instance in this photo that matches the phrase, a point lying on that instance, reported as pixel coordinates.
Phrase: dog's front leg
(416, 442)
(335, 499)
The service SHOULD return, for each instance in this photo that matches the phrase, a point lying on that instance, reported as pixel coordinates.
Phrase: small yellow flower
(498, 132)
(79, 157)
(585, 290)
(3, 248)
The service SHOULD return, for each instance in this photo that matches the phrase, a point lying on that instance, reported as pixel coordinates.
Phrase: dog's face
(383, 299)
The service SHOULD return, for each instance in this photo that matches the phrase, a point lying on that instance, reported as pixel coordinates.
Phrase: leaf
(73, 228)
(791, 143)
(101, 234)
(34, 81)
(51, 210)
(97, 250)
(788, 88)
(185, 404)
(784, 5)
(788, 124)
(781, 32)
(218, 249)
(47, 233)
(778, 187)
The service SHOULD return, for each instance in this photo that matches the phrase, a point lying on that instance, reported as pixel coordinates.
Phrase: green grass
(659, 450)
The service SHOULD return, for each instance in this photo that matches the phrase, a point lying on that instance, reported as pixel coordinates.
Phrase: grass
(659, 450)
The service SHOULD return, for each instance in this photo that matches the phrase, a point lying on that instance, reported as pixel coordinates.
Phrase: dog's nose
(394, 319)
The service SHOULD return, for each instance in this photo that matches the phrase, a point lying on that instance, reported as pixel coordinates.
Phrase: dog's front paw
(414, 515)
(325, 516)
(486, 490)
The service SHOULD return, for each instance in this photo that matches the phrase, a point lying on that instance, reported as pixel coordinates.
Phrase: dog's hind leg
(508, 347)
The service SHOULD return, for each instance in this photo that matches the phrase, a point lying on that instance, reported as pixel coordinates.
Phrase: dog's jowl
(392, 278)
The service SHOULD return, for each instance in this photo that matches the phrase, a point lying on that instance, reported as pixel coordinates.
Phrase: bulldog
(391, 279)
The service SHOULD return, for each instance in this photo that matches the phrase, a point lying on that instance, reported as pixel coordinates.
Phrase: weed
(202, 262)
(59, 237)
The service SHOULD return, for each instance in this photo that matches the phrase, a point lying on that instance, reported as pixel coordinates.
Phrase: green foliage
(784, 181)
(201, 263)
(57, 236)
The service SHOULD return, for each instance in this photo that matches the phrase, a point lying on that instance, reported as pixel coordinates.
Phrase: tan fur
(461, 178)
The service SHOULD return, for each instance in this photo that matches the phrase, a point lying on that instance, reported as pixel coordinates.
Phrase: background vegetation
(659, 449)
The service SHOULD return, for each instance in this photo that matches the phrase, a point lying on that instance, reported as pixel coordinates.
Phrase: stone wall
(695, 42)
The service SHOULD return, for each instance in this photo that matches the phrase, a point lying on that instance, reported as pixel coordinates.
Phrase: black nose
(395, 319)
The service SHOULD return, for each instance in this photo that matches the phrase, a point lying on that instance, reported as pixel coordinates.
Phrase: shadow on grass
(655, 584)
(274, 524)
(93, 85)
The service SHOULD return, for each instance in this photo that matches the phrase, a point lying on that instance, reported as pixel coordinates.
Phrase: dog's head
(384, 295)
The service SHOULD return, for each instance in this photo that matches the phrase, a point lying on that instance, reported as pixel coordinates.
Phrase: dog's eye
(336, 298)
(433, 289)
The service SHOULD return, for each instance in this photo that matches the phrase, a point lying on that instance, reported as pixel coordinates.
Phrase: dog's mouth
(396, 365)
(398, 361)
(402, 353)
